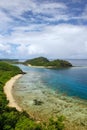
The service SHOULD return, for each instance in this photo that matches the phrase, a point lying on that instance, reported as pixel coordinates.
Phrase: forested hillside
(10, 118)
(42, 61)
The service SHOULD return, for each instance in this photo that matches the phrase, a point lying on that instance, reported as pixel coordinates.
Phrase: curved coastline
(8, 91)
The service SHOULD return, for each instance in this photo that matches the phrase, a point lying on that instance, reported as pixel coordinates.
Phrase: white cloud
(49, 8)
(45, 11)
(56, 10)
(18, 7)
(34, 49)
(63, 41)
(5, 48)
(4, 21)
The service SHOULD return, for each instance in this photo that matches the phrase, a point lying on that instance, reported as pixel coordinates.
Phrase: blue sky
(50, 28)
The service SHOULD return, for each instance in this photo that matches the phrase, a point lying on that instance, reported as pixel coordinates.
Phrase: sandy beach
(40, 66)
(8, 91)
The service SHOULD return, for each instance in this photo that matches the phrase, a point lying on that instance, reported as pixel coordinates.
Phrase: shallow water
(71, 81)
(62, 91)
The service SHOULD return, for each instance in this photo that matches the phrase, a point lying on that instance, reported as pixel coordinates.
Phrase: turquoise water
(70, 82)
(61, 91)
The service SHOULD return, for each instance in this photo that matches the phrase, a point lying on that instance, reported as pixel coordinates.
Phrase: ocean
(70, 81)
(59, 90)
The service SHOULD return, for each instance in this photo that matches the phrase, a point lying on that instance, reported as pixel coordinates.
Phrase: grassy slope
(10, 118)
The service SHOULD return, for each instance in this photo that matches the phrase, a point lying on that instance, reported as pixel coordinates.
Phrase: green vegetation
(10, 118)
(41, 61)
(11, 61)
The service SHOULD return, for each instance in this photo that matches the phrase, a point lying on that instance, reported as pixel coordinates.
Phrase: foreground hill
(9, 60)
(4, 66)
(41, 61)
(10, 118)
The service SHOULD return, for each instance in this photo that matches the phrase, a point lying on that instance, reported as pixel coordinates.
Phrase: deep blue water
(70, 81)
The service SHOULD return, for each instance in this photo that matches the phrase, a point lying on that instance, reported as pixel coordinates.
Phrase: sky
(49, 28)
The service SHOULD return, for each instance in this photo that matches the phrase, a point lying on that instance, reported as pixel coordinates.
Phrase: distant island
(44, 62)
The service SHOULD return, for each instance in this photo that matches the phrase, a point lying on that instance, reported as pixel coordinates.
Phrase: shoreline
(48, 67)
(8, 92)
(51, 67)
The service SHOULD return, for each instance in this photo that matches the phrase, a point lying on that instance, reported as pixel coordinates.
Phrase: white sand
(8, 91)
(40, 66)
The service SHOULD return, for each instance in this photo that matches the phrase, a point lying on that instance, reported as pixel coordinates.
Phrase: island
(44, 62)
